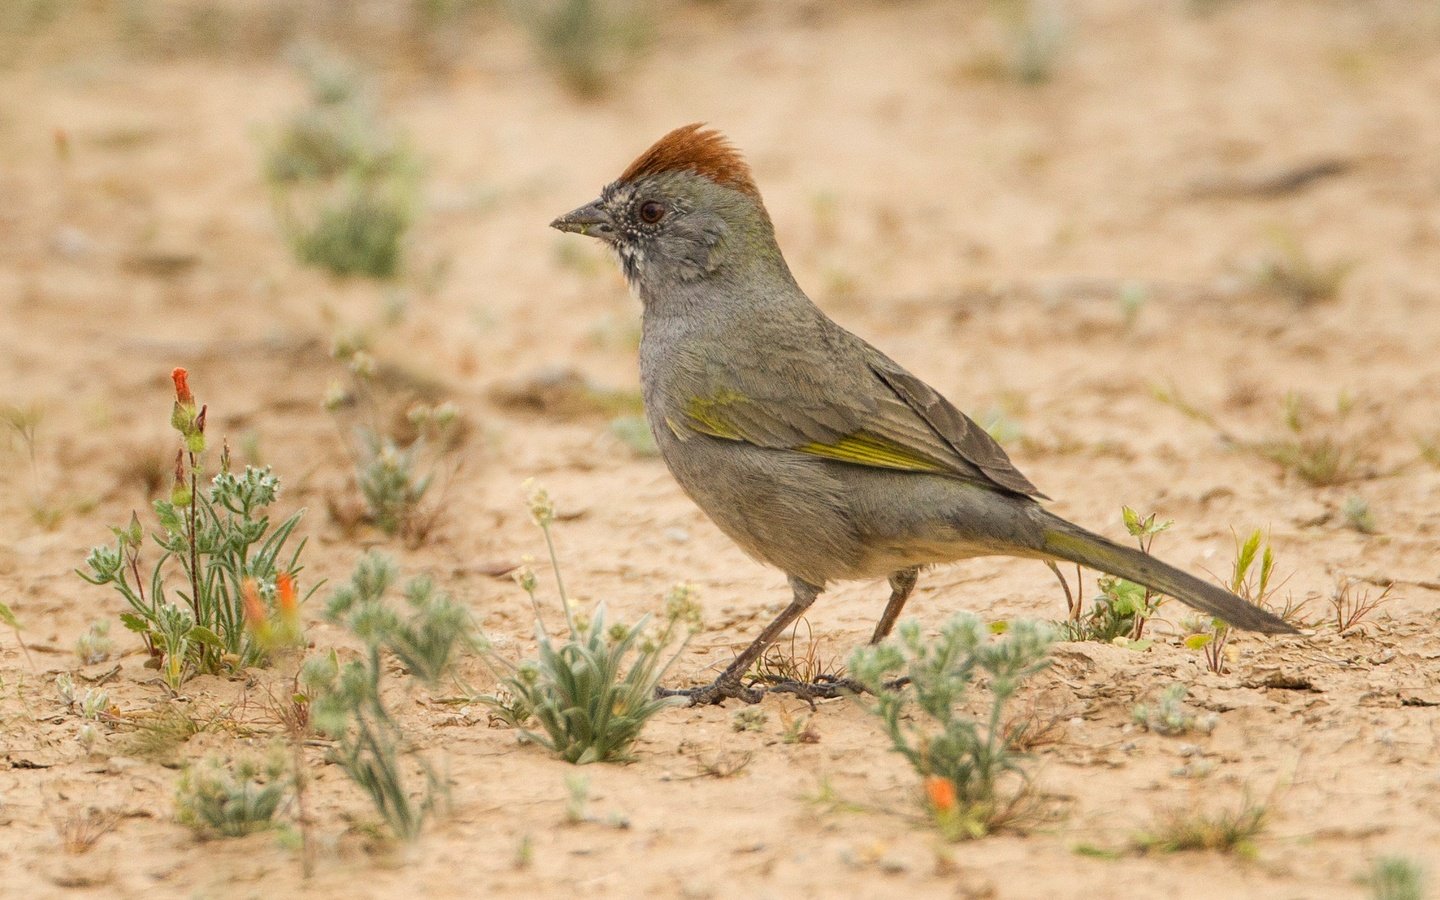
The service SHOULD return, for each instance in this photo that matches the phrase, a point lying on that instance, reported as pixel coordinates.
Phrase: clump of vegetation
(1358, 516)
(589, 707)
(1251, 579)
(973, 774)
(1351, 603)
(749, 718)
(94, 645)
(1223, 831)
(220, 538)
(586, 43)
(1119, 614)
(232, 798)
(1291, 272)
(1033, 33)
(397, 459)
(1169, 716)
(345, 188)
(789, 663)
(23, 422)
(1396, 878)
(1036, 31)
(345, 701)
(79, 832)
(1316, 445)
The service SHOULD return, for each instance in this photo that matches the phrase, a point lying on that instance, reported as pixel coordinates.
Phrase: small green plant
(395, 471)
(588, 705)
(1223, 831)
(344, 187)
(94, 645)
(1357, 514)
(1036, 32)
(1169, 716)
(1291, 272)
(1396, 878)
(358, 233)
(748, 718)
(1316, 446)
(973, 776)
(798, 729)
(345, 701)
(232, 799)
(1119, 614)
(220, 538)
(9, 620)
(1032, 34)
(1250, 579)
(585, 42)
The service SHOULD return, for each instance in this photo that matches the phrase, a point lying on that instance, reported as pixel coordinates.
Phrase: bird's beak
(590, 220)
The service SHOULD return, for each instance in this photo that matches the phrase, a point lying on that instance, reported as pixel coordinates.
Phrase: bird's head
(684, 210)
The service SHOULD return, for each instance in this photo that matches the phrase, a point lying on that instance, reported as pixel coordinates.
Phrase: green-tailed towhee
(811, 449)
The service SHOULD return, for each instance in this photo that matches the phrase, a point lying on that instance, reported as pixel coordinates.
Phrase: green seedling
(1168, 716)
(1118, 615)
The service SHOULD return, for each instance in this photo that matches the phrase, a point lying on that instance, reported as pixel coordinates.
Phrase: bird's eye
(651, 212)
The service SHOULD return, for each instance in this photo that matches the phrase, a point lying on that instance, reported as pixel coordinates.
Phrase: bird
(811, 449)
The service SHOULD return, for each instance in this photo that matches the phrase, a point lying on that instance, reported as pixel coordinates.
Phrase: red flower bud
(182, 388)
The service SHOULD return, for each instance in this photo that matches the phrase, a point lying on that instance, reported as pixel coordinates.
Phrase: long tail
(1065, 540)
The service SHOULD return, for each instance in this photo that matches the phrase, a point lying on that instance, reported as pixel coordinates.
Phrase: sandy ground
(983, 232)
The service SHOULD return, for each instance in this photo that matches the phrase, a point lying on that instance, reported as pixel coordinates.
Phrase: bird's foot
(716, 692)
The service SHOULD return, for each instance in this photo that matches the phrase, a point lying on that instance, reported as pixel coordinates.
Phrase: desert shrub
(232, 798)
(584, 42)
(427, 637)
(588, 705)
(344, 186)
(972, 771)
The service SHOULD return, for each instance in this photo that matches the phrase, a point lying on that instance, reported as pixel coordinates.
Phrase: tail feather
(1070, 542)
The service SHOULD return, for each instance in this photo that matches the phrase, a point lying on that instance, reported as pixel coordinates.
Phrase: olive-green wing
(968, 440)
(889, 420)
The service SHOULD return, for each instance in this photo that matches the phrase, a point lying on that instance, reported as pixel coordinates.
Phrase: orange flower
(182, 388)
(254, 609)
(940, 792)
(285, 596)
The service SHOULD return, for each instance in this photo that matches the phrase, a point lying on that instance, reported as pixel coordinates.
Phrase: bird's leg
(728, 684)
(901, 584)
(1072, 606)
